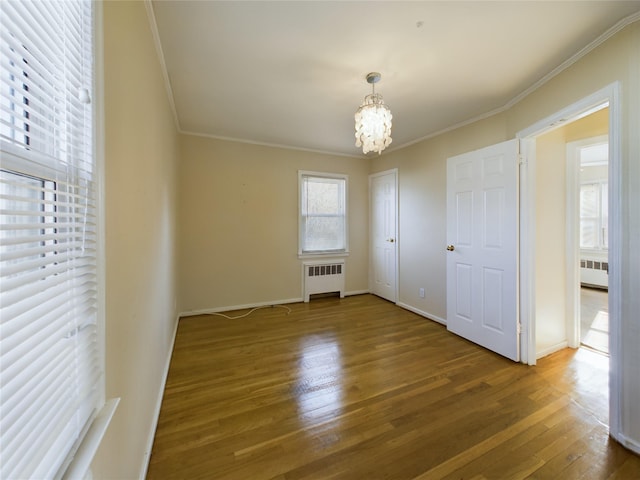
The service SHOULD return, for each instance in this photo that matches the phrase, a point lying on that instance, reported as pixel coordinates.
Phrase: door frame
(393, 171)
(611, 95)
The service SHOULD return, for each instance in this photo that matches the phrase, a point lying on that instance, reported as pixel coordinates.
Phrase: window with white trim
(593, 155)
(594, 216)
(51, 355)
(322, 214)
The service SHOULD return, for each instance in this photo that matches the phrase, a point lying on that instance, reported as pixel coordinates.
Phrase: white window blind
(323, 213)
(51, 367)
(594, 216)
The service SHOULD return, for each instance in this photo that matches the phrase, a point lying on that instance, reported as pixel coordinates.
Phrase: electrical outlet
(421, 292)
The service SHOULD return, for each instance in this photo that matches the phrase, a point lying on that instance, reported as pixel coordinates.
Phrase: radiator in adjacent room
(323, 277)
(594, 273)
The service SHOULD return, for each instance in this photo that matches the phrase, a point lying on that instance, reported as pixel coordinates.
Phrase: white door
(382, 189)
(482, 235)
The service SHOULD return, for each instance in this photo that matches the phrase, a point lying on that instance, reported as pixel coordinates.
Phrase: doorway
(529, 181)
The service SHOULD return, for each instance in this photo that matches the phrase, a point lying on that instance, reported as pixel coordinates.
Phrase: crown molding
(270, 145)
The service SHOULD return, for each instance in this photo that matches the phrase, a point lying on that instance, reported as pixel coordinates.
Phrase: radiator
(323, 277)
(594, 273)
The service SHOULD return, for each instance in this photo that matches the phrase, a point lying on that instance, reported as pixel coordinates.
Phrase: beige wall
(550, 242)
(422, 175)
(592, 125)
(239, 222)
(140, 201)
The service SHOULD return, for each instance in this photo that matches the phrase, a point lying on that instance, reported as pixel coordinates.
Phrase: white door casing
(482, 247)
(610, 95)
(384, 244)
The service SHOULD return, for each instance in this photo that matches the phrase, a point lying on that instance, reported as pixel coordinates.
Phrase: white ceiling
(293, 73)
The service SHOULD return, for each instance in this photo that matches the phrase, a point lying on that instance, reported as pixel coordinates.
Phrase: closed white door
(482, 235)
(384, 241)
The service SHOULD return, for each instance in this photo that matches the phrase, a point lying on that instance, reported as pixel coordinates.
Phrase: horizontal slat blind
(51, 373)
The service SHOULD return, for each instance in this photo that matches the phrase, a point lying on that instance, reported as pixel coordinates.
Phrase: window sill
(594, 252)
(311, 256)
(83, 457)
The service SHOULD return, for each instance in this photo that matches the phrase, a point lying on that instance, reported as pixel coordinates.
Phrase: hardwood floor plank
(494, 441)
(358, 388)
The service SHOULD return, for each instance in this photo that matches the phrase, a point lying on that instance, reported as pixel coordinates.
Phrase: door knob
(451, 248)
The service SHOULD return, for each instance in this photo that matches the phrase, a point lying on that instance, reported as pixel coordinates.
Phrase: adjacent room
(319, 239)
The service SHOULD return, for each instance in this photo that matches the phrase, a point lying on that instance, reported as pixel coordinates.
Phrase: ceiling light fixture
(373, 120)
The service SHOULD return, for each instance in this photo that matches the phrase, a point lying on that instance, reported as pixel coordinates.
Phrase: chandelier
(373, 120)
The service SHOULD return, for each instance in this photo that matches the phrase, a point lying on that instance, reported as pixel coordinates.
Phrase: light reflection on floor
(597, 335)
(588, 375)
(594, 319)
(319, 387)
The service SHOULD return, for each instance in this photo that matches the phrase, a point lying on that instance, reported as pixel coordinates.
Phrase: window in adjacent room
(594, 193)
(593, 216)
(322, 214)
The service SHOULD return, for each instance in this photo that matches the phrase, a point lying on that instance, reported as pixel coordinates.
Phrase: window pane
(323, 197)
(594, 216)
(324, 233)
(588, 233)
(322, 214)
(589, 201)
(20, 203)
(50, 344)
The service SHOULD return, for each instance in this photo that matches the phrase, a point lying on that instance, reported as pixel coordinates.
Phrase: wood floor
(358, 388)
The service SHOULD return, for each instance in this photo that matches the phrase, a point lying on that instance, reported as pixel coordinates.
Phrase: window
(51, 366)
(594, 216)
(323, 214)
(594, 191)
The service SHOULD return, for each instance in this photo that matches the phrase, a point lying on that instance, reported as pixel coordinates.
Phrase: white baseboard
(229, 308)
(427, 315)
(156, 410)
(628, 443)
(552, 349)
(356, 292)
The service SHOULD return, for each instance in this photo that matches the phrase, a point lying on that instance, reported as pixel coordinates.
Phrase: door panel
(494, 223)
(492, 299)
(464, 291)
(482, 199)
(464, 218)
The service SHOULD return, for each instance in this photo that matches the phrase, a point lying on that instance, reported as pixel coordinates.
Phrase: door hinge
(519, 328)
(522, 160)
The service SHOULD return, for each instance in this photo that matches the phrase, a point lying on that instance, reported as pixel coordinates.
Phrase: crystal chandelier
(373, 120)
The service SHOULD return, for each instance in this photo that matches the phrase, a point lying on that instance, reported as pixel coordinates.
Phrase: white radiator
(594, 273)
(322, 276)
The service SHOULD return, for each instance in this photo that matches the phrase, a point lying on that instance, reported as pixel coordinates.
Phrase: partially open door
(482, 247)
